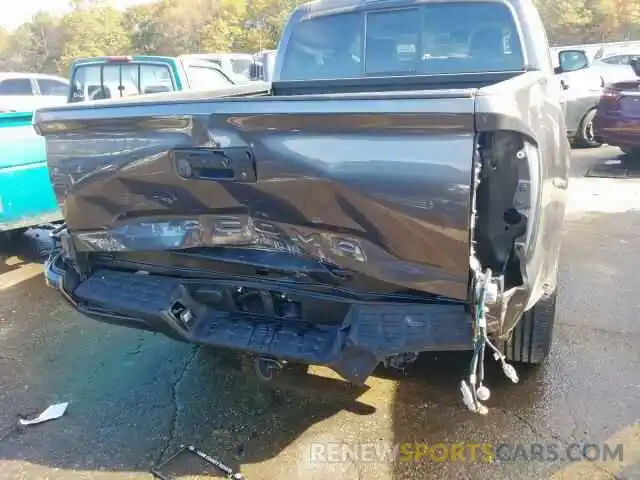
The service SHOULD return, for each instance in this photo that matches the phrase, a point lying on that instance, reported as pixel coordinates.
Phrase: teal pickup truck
(26, 194)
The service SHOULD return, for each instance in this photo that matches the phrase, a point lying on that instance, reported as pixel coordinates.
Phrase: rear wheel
(531, 339)
(585, 137)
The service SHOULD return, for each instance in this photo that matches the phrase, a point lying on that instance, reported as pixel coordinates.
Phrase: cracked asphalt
(135, 396)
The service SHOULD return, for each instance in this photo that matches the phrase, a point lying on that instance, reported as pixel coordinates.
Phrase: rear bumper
(352, 345)
(616, 132)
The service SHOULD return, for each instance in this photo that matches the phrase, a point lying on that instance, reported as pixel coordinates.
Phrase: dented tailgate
(377, 185)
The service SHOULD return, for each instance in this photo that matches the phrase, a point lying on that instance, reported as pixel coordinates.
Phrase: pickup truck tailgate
(376, 185)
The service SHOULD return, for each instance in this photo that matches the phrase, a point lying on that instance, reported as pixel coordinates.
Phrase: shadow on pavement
(621, 167)
(136, 397)
(18, 248)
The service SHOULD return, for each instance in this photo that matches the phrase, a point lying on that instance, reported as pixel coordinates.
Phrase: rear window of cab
(98, 81)
(433, 38)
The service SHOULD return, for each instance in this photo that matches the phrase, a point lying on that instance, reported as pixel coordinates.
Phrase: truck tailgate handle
(235, 164)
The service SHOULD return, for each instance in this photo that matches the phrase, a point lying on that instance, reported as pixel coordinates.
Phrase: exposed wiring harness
(473, 390)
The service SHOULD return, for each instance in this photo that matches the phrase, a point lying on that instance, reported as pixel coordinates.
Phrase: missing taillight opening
(504, 202)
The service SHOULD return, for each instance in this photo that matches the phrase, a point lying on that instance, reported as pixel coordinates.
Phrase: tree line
(49, 44)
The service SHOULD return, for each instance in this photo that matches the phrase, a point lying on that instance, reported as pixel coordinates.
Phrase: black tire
(585, 137)
(531, 339)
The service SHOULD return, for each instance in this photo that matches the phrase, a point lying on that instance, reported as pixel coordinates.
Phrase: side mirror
(572, 60)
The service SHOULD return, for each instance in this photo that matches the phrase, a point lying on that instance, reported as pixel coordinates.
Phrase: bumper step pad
(144, 296)
(369, 332)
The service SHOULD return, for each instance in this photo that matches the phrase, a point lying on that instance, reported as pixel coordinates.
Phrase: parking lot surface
(135, 397)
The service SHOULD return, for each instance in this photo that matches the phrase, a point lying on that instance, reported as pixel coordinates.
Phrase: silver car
(25, 92)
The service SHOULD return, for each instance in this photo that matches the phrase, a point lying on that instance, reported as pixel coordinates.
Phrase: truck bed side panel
(529, 104)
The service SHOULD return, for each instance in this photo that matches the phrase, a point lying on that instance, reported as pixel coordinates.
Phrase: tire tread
(531, 339)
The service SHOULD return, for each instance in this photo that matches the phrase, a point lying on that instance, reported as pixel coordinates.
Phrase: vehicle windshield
(241, 66)
(623, 58)
(435, 38)
(100, 81)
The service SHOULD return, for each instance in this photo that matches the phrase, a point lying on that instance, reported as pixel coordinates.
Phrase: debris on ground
(52, 412)
(161, 470)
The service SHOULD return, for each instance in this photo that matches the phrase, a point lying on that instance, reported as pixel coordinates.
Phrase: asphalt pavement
(135, 397)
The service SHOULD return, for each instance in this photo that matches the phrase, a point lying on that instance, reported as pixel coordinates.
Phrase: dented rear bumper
(354, 338)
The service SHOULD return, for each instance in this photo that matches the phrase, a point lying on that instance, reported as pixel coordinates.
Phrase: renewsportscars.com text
(336, 452)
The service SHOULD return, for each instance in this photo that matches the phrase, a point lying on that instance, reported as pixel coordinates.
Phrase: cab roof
(320, 7)
(187, 60)
(134, 58)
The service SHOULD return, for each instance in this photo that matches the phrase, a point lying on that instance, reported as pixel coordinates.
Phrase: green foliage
(225, 30)
(34, 46)
(144, 31)
(173, 27)
(578, 21)
(618, 19)
(266, 22)
(92, 29)
(567, 21)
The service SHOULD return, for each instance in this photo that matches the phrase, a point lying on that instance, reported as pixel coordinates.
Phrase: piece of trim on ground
(214, 462)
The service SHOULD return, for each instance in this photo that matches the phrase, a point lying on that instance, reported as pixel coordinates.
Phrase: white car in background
(24, 92)
(236, 66)
(582, 80)
(616, 55)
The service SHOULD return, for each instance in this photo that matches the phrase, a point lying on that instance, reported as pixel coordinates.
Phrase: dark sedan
(617, 121)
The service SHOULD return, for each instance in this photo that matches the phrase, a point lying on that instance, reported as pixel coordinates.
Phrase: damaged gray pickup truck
(398, 188)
